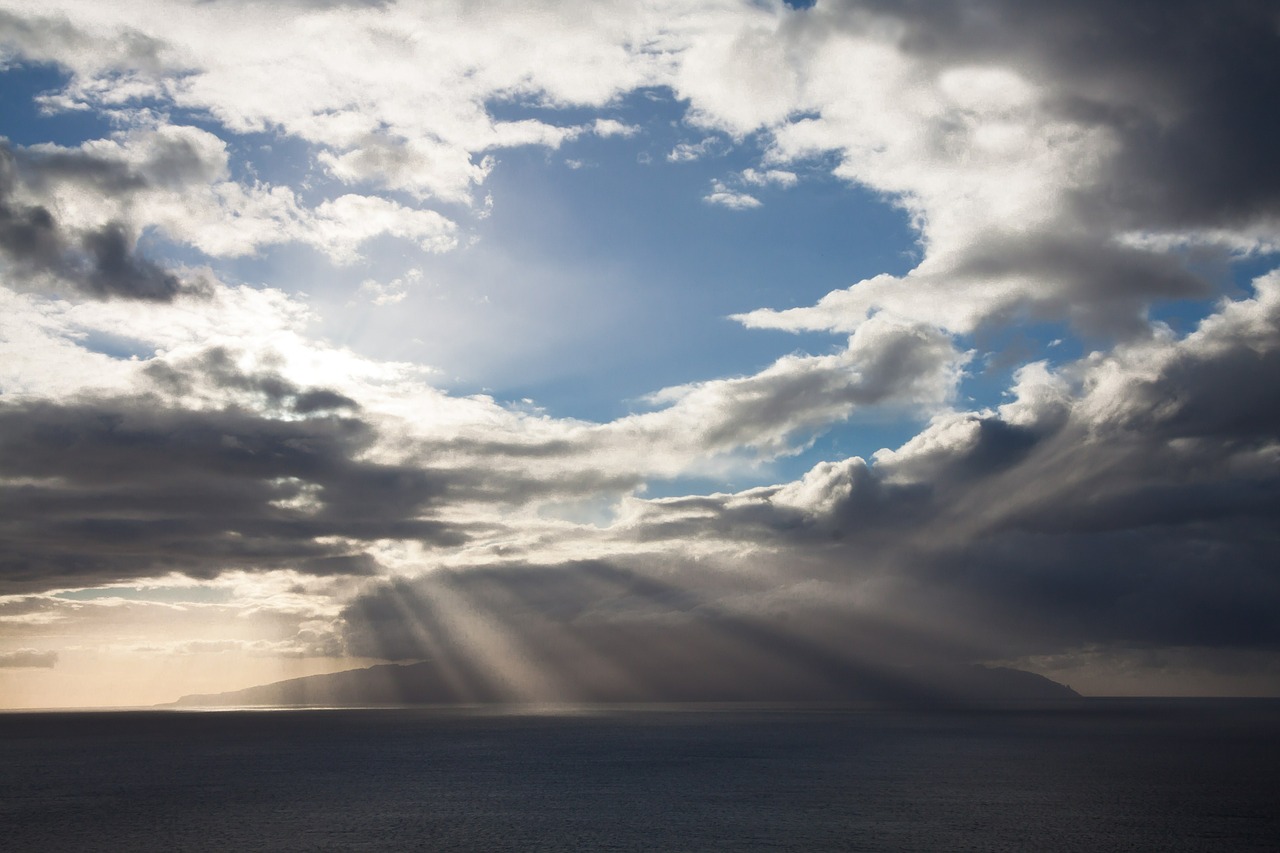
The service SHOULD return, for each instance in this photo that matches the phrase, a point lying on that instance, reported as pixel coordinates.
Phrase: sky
(337, 333)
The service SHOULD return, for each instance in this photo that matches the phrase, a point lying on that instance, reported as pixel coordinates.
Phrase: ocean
(1101, 775)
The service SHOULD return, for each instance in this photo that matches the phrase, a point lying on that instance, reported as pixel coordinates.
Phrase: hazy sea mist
(1104, 775)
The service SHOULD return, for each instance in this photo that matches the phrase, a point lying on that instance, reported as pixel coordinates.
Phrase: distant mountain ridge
(423, 684)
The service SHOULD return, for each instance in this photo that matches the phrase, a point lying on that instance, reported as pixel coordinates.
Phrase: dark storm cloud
(1141, 512)
(1122, 540)
(1102, 286)
(105, 489)
(102, 262)
(608, 631)
(1131, 542)
(1199, 584)
(1232, 398)
(1188, 89)
(1151, 524)
(108, 489)
(23, 658)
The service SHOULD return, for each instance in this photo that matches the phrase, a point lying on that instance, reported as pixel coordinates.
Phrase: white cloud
(765, 177)
(338, 227)
(608, 127)
(393, 291)
(686, 152)
(724, 194)
(721, 194)
(423, 167)
(415, 77)
(777, 410)
(175, 179)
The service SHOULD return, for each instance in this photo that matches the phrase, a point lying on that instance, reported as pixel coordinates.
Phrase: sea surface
(1103, 775)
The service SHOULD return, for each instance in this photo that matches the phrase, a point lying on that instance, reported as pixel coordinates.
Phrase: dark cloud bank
(1135, 511)
(595, 631)
(114, 489)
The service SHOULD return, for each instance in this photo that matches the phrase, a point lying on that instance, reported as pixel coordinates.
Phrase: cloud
(217, 459)
(618, 631)
(686, 152)
(885, 363)
(1099, 507)
(711, 425)
(1036, 173)
(339, 226)
(100, 490)
(1171, 85)
(32, 658)
(267, 389)
(766, 177)
(176, 179)
(607, 127)
(1034, 147)
(99, 261)
(57, 39)
(721, 194)
(424, 167)
(724, 194)
(1103, 288)
(391, 292)
(1082, 163)
(394, 96)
